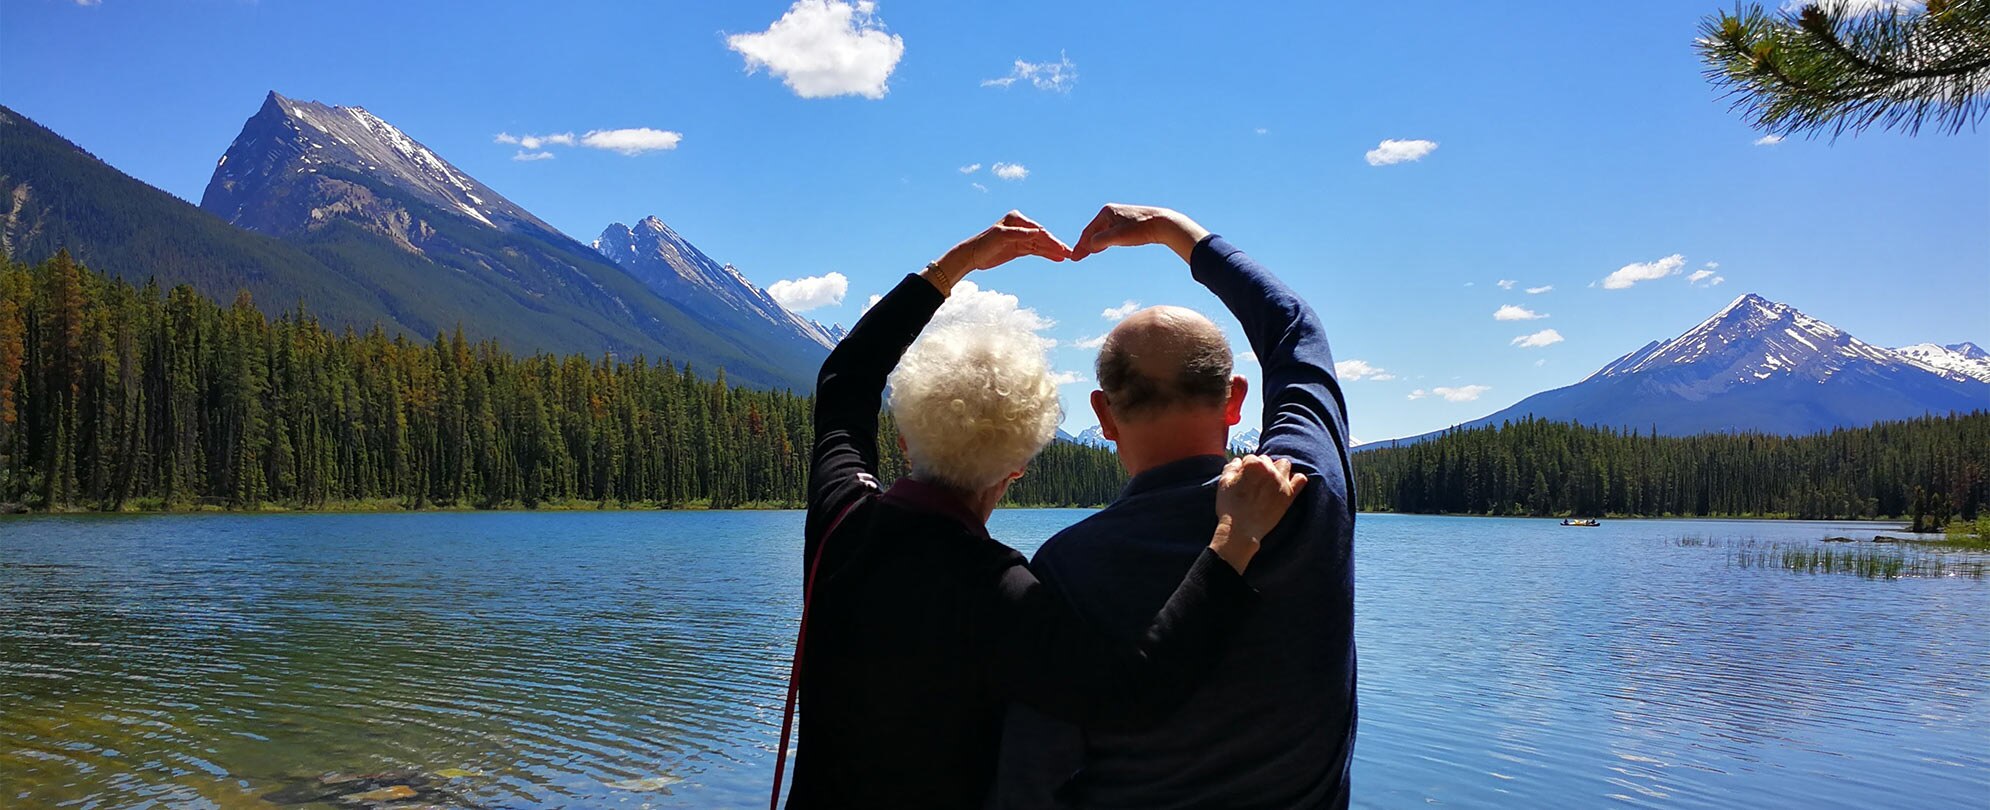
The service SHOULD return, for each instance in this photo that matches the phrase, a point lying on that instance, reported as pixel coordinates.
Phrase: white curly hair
(974, 401)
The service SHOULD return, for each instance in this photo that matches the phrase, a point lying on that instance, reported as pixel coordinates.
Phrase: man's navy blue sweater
(1274, 725)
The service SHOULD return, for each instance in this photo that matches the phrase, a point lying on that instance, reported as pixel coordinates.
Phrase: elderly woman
(920, 627)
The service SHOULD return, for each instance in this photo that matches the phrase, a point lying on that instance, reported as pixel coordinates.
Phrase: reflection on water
(589, 659)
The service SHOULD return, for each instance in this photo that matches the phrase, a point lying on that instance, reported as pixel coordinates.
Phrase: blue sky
(1571, 140)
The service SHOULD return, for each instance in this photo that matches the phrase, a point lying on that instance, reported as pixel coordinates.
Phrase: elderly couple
(1190, 645)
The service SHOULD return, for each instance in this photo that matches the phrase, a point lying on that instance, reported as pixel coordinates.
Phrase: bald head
(1163, 358)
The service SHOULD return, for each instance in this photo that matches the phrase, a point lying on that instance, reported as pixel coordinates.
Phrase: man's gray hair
(1177, 362)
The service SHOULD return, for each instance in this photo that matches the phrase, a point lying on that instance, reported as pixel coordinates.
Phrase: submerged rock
(385, 794)
(652, 783)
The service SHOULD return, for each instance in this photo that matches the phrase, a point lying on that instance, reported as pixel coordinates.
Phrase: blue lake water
(638, 659)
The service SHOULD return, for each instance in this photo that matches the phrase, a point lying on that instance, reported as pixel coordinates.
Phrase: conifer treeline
(113, 396)
(1929, 469)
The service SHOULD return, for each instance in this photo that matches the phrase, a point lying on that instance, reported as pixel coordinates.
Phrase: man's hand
(1015, 236)
(1120, 225)
(1252, 496)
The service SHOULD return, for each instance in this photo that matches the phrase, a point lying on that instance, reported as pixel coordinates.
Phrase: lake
(638, 659)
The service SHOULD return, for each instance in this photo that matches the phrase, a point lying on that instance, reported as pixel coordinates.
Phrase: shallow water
(638, 659)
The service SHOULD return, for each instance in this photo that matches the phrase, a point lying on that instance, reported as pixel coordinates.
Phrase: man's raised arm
(1305, 416)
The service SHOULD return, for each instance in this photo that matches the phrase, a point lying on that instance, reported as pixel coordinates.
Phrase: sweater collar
(1180, 472)
(932, 498)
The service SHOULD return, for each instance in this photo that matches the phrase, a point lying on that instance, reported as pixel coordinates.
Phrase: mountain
(834, 331)
(1756, 365)
(54, 195)
(1965, 359)
(1093, 436)
(437, 248)
(1245, 441)
(718, 294)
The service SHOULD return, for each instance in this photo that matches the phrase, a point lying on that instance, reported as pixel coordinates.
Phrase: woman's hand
(1014, 237)
(1252, 495)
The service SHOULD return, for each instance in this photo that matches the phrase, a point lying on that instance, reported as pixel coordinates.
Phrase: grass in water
(1861, 559)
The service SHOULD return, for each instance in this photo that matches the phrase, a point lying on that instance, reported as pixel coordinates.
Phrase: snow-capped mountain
(835, 331)
(305, 137)
(1965, 359)
(1093, 436)
(439, 249)
(677, 270)
(1759, 365)
(1245, 441)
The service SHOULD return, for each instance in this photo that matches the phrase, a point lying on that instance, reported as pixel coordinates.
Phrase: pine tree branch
(1822, 68)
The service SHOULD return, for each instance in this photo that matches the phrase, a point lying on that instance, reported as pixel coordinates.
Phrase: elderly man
(1274, 726)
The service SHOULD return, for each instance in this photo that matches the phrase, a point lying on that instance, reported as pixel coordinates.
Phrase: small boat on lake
(1586, 522)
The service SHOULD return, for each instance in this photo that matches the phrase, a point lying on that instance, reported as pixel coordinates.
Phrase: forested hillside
(1931, 469)
(114, 396)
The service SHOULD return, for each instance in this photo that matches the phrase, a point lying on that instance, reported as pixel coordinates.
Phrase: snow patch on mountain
(1245, 441)
(1965, 359)
(1094, 436)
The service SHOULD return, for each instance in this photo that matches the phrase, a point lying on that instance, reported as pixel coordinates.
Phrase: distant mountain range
(1244, 441)
(339, 209)
(1759, 365)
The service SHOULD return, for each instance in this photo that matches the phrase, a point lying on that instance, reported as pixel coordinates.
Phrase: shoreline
(394, 507)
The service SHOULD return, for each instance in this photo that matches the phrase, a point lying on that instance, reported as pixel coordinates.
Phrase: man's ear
(901, 444)
(1233, 411)
(1015, 475)
(1102, 408)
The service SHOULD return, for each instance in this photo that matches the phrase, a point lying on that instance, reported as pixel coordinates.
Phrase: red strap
(795, 666)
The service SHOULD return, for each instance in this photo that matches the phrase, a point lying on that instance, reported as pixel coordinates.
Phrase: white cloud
(979, 187)
(626, 141)
(1120, 312)
(1248, 357)
(868, 303)
(632, 141)
(1540, 289)
(1352, 370)
(1695, 276)
(1506, 283)
(1057, 77)
(1635, 272)
(1010, 171)
(1769, 140)
(1545, 337)
(1541, 362)
(812, 292)
(1395, 151)
(970, 168)
(1066, 377)
(536, 141)
(1510, 312)
(825, 48)
(1704, 277)
(1263, 131)
(970, 304)
(1463, 393)
(88, 3)
(1090, 342)
(529, 156)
